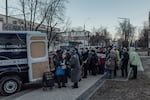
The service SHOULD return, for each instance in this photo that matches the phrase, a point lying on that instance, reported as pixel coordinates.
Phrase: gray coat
(112, 57)
(75, 68)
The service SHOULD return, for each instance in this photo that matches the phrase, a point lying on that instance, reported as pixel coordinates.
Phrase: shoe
(132, 78)
(64, 86)
(59, 86)
(74, 87)
(80, 79)
(94, 74)
(84, 77)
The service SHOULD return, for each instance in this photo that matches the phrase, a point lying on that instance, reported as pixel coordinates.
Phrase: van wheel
(10, 85)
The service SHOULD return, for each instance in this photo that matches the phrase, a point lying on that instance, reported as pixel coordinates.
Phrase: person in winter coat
(124, 63)
(116, 62)
(84, 63)
(58, 62)
(67, 59)
(80, 60)
(134, 62)
(75, 68)
(93, 62)
(111, 58)
(101, 61)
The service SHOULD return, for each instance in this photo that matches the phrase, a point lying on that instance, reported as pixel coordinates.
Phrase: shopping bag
(140, 66)
(108, 63)
(59, 71)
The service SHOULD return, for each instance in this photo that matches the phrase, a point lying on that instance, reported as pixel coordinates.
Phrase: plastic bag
(60, 71)
(140, 67)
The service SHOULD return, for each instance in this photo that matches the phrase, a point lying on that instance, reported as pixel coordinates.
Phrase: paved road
(26, 89)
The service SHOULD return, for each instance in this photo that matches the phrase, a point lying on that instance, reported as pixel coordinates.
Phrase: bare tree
(126, 31)
(54, 16)
(101, 36)
(67, 25)
(143, 36)
(42, 11)
(48, 13)
(22, 3)
(30, 11)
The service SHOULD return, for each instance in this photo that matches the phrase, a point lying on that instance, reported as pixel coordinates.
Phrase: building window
(14, 22)
(20, 21)
(1, 19)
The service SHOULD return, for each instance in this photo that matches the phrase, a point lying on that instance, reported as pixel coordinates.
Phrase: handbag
(60, 71)
(108, 63)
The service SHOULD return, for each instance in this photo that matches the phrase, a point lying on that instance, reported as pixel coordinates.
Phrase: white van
(23, 59)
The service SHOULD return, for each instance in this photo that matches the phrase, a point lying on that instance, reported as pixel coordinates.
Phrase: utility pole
(84, 35)
(149, 20)
(6, 15)
(149, 36)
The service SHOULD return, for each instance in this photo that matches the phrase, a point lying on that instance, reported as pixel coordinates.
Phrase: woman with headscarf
(75, 68)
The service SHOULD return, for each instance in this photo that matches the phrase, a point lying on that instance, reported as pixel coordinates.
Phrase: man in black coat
(125, 59)
(93, 61)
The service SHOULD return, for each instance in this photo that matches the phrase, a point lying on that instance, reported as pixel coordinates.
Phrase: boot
(59, 85)
(63, 85)
(75, 85)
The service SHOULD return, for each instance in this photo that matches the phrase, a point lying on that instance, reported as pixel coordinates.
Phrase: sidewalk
(86, 87)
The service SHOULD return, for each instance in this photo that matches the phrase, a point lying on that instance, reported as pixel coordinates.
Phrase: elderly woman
(75, 68)
(110, 63)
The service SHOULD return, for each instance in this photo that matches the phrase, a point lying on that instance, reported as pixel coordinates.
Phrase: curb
(91, 90)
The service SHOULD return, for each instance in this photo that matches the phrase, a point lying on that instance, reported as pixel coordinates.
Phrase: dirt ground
(128, 90)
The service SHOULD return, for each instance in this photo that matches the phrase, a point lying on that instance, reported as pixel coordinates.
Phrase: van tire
(10, 85)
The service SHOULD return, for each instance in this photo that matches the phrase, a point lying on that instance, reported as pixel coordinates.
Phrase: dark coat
(93, 60)
(75, 68)
(125, 59)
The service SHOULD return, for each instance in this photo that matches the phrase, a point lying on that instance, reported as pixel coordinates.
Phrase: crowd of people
(78, 63)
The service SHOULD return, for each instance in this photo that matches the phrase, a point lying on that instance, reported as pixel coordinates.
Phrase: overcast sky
(96, 13)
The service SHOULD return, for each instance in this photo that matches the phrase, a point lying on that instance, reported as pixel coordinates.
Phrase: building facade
(80, 38)
(17, 24)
